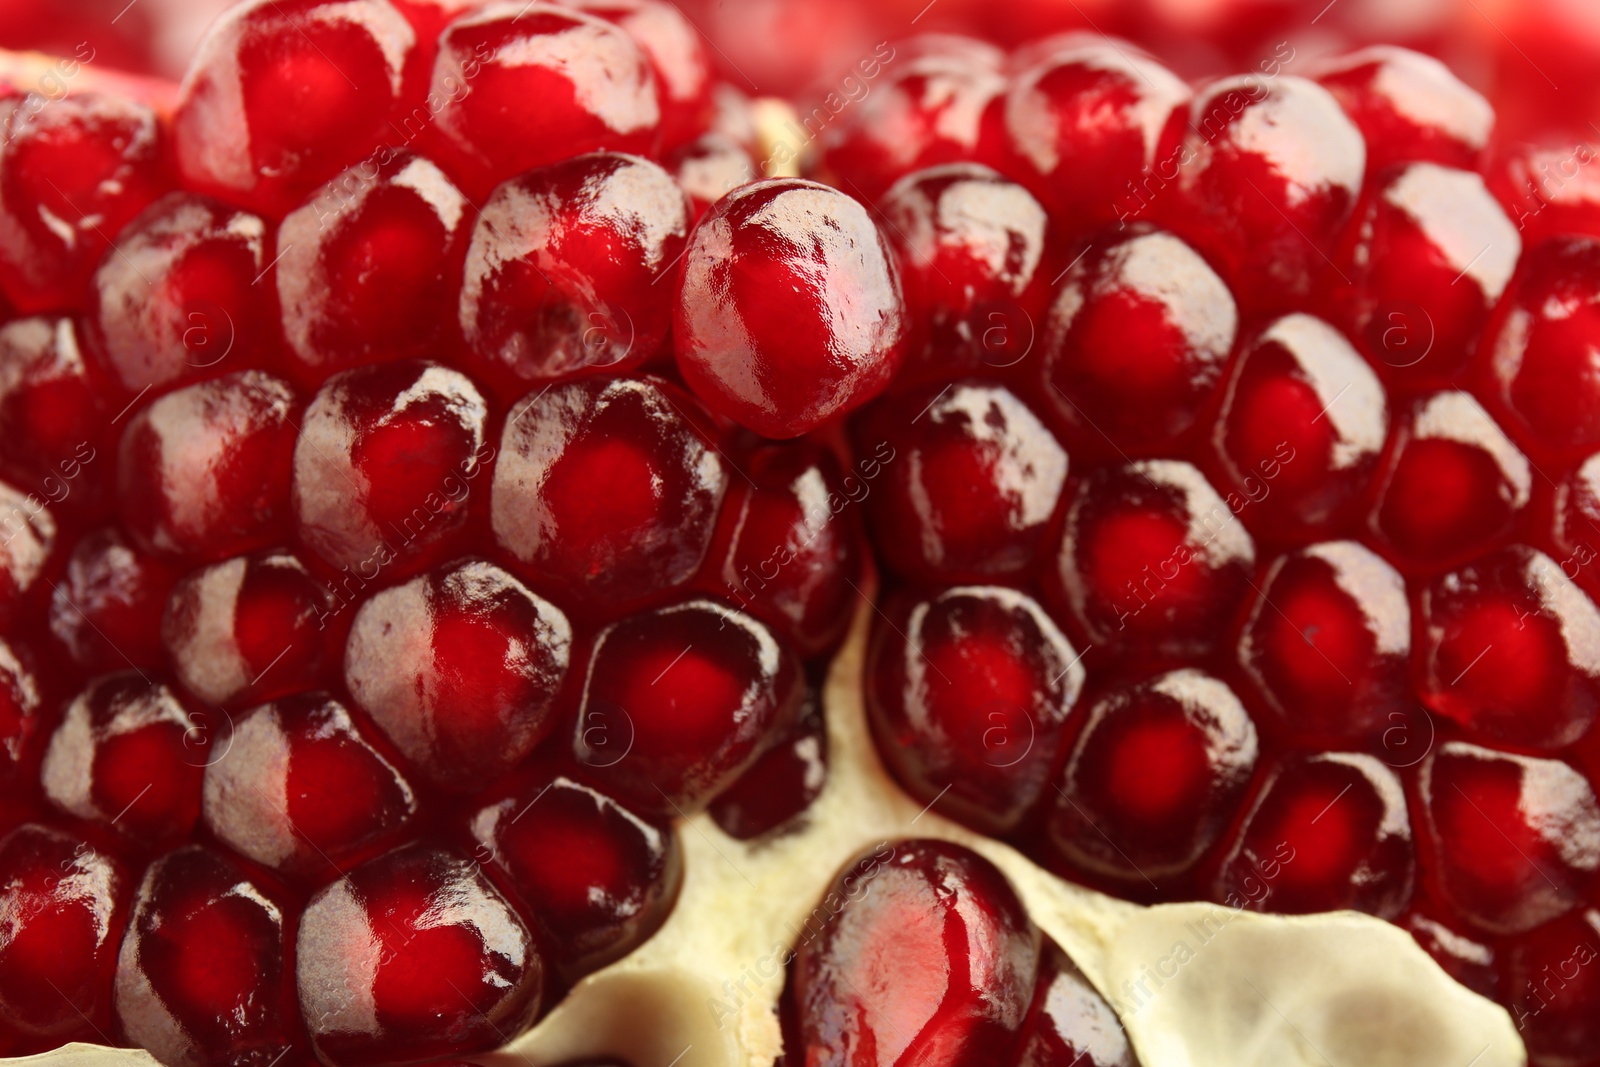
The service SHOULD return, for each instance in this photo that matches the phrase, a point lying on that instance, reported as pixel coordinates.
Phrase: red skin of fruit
(1069, 1023)
(664, 482)
(1087, 122)
(788, 547)
(1554, 987)
(708, 167)
(1425, 257)
(461, 668)
(1536, 356)
(968, 694)
(782, 783)
(562, 276)
(972, 248)
(512, 97)
(201, 976)
(595, 879)
(101, 610)
(677, 53)
(1464, 958)
(385, 464)
(1450, 487)
(790, 313)
(1515, 840)
(203, 472)
(1135, 341)
(128, 756)
(284, 94)
(70, 178)
(1327, 641)
(974, 481)
(728, 690)
(1302, 426)
(367, 267)
(1151, 557)
(29, 544)
(1267, 176)
(187, 293)
(1153, 778)
(247, 629)
(1409, 107)
(915, 104)
(304, 789)
(53, 413)
(924, 955)
(1324, 833)
(66, 903)
(1508, 650)
(412, 957)
(23, 718)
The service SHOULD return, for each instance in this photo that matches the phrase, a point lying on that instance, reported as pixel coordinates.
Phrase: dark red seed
(1466, 959)
(775, 792)
(461, 668)
(680, 701)
(1154, 776)
(676, 49)
(53, 413)
(1409, 107)
(1554, 988)
(596, 879)
(101, 611)
(968, 693)
(1070, 1024)
(24, 719)
(28, 548)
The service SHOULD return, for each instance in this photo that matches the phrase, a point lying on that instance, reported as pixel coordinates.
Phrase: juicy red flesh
(595, 879)
(1070, 1023)
(102, 610)
(782, 783)
(52, 413)
(1409, 107)
(928, 958)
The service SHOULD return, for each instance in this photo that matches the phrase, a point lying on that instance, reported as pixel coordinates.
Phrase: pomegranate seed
(185, 290)
(1537, 354)
(973, 483)
(129, 756)
(970, 246)
(461, 669)
(1515, 840)
(708, 168)
(102, 610)
(1267, 175)
(368, 267)
(664, 481)
(1409, 107)
(384, 465)
(201, 975)
(1465, 959)
(23, 718)
(1152, 557)
(679, 701)
(1508, 650)
(28, 550)
(64, 903)
(1575, 523)
(204, 471)
(71, 176)
(788, 548)
(284, 94)
(1451, 483)
(1154, 776)
(938, 936)
(1325, 832)
(968, 694)
(1087, 122)
(596, 879)
(302, 789)
(1554, 989)
(563, 271)
(1427, 252)
(1302, 425)
(1328, 642)
(682, 66)
(1549, 190)
(790, 312)
(248, 629)
(1135, 341)
(52, 411)
(938, 103)
(1069, 1023)
(414, 956)
(523, 85)
(775, 792)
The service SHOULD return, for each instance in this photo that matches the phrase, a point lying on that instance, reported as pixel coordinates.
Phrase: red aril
(1409, 107)
(103, 609)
